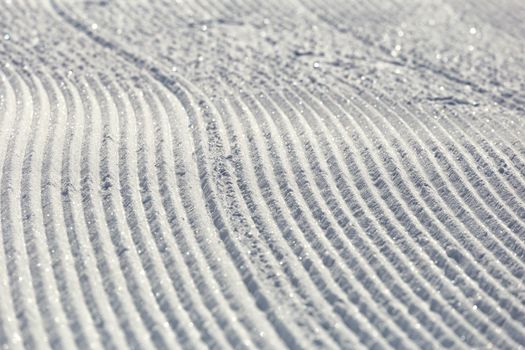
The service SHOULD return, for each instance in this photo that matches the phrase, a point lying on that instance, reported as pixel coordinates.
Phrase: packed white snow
(262, 174)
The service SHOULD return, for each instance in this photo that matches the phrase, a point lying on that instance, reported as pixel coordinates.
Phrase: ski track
(244, 174)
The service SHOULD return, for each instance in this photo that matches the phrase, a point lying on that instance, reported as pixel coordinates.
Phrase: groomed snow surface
(269, 174)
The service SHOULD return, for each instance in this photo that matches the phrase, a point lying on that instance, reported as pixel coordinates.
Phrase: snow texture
(301, 174)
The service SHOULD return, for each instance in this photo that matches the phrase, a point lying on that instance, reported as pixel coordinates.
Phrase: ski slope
(247, 174)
